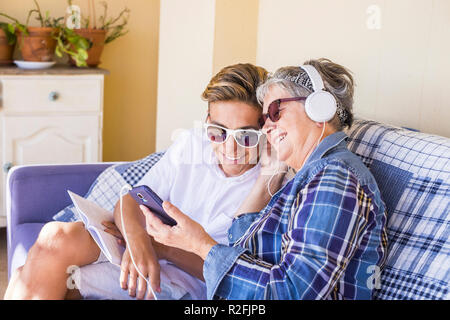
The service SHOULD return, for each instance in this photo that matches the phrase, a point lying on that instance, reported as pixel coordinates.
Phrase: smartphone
(145, 196)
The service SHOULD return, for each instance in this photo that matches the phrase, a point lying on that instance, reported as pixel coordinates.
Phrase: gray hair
(337, 80)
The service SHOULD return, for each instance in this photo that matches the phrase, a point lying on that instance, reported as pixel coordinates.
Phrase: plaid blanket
(105, 189)
(412, 171)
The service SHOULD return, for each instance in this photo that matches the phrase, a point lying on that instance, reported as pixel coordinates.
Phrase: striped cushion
(412, 171)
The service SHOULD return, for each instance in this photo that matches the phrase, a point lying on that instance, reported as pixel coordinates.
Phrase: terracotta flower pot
(38, 45)
(97, 38)
(6, 50)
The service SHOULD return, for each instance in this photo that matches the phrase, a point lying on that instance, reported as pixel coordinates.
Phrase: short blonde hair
(237, 82)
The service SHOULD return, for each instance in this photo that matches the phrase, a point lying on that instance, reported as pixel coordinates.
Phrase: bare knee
(58, 246)
(58, 238)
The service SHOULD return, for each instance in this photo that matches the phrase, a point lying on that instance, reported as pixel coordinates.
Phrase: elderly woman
(322, 235)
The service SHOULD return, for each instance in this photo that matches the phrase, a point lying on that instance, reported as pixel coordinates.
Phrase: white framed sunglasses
(247, 138)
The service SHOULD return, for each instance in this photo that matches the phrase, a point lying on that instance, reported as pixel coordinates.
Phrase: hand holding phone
(143, 195)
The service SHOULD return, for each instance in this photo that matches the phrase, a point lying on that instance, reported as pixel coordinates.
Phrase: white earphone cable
(270, 180)
(321, 135)
(127, 186)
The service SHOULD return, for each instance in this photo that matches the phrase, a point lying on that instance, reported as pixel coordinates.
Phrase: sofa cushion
(105, 189)
(412, 171)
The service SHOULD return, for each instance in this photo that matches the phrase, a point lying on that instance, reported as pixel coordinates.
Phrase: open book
(92, 215)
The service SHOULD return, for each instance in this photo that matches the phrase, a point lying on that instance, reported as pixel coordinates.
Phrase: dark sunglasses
(273, 112)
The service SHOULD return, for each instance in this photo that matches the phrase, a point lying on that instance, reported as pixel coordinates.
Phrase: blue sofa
(412, 170)
(34, 195)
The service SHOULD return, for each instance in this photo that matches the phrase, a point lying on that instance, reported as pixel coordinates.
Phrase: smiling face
(234, 159)
(292, 136)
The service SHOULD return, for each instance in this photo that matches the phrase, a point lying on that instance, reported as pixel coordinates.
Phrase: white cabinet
(48, 117)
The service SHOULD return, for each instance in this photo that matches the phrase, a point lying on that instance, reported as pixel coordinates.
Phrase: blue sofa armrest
(37, 192)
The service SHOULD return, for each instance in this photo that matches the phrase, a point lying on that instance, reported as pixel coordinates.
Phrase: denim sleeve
(240, 226)
(218, 262)
(221, 258)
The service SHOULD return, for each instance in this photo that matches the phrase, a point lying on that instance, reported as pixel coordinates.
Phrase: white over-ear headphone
(320, 106)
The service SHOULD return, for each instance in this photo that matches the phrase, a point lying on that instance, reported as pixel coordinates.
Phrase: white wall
(185, 65)
(401, 69)
(236, 29)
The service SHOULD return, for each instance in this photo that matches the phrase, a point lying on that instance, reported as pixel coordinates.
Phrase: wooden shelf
(55, 70)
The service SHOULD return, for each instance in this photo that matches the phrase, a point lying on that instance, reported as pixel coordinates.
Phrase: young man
(206, 172)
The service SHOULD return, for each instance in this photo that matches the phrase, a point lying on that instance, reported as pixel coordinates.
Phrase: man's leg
(45, 272)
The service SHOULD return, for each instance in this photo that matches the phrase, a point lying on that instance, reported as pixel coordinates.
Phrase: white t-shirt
(189, 177)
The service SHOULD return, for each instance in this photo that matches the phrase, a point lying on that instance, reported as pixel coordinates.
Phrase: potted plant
(72, 44)
(101, 32)
(7, 41)
(38, 43)
(51, 37)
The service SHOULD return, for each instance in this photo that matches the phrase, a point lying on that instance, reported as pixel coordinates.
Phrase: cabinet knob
(53, 96)
(7, 166)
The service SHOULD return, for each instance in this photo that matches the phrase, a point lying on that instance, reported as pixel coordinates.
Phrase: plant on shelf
(114, 27)
(45, 21)
(72, 44)
(14, 25)
(83, 44)
(8, 38)
(51, 37)
(9, 29)
(38, 43)
(101, 32)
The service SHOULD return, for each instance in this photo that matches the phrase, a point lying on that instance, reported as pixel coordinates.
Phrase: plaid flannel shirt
(322, 236)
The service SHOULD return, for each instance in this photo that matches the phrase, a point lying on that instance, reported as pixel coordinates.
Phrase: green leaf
(58, 52)
(72, 39)
(11, 28)
(10, 36)
(69, 32)
(80, 62)
(83, 54)
(83, 43)
(60, 42)
(22, 29)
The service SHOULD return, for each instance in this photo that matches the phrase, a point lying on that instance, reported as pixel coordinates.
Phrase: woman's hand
(187, 234)
(270, 180)
(112, 229)
(270, 164)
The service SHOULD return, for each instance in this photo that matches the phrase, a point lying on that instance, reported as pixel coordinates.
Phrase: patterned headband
(303, 80)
